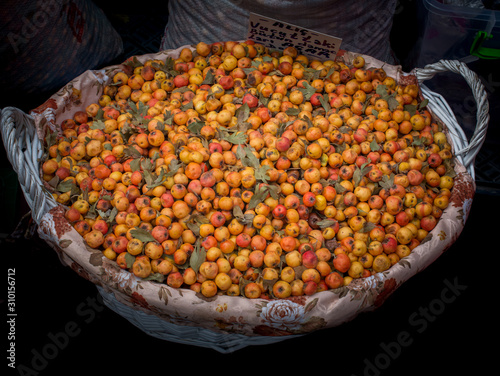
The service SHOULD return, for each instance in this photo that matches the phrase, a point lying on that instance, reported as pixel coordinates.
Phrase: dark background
(50, 296)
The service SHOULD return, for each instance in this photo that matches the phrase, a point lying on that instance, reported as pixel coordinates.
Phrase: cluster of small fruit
(237, 170)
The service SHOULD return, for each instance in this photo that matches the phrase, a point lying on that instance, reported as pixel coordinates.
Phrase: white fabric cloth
(364, 26)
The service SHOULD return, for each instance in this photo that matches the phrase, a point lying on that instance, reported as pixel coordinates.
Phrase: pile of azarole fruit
(237, 170)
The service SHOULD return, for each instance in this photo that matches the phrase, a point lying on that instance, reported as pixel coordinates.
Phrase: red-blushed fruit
(251, 100)
(334, 280)
(341, 262)
(72, 215)
(237, 160)
(310, 259)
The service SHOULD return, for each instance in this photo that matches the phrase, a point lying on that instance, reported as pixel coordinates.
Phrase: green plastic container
(455, 33)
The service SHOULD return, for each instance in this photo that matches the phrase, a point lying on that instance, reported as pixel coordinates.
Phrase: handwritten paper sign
(277, 34)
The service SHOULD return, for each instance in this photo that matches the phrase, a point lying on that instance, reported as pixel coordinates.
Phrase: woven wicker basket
(224, 323)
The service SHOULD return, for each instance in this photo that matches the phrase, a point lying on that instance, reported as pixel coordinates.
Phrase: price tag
(276, 34)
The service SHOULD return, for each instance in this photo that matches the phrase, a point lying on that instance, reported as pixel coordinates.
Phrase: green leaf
(330, 72)
(367, 227)
(242, 113)
(195, 127)
(324, 223)
(237, 212)
(126, 131)
(450, 170)
(187, 106)
(423, 104)
(241, 154)
(132, 107)
(253, 161)
(308, 121)
(359, 172)
(209, 78)
(249, 70)
(168, 68)
(236, 138)
(141, 234)
(311, 74)
(135, 165)
(155, 181)
(263, 100)
(156, 277)
(173, 167)
(51, 138)
(275, 72)
(411, 108)
(109, 215)
(65, 186)
(54, 181)
(146, 164)
(339, 188)
(168, 118)
(387, 181)
(261, 173)
(327, 182)
(129, 259)
(198, 256)
(282, 128)
(133, 63)
(417, 141)
(261, 192)
(307, 90)
(259, 195)
(274, 190)
(92, 212)
(112, 215)
(160, 126)
(155, 156)
(268, 284)
(194, 221)
(374, 146)
(345, 129)
(366, 103)
(99, 115)
(131, 152)
(97, 124)
(393, 103)
(200, 218)
(244, 219)
(292, 112)
(324, 103)
(382, 91)
(138, 112)
(181, 89)
(195, 228)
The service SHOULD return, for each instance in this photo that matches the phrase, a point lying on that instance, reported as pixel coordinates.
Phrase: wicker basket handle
(24, 150)
(465, 150)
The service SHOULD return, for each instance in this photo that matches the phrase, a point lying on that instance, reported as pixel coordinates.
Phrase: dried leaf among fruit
(254, 173)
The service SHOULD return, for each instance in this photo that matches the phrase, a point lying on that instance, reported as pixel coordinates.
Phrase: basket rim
(376, 278)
